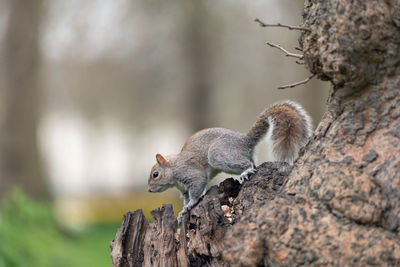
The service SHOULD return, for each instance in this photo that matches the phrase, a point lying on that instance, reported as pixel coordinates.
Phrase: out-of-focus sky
(117, 81)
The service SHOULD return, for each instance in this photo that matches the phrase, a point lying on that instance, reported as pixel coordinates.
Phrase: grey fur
(215, 150)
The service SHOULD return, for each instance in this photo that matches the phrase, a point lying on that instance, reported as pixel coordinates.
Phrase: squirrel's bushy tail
(287, 125)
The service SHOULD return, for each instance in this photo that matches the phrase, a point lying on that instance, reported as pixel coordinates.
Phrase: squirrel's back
(287, 126)
(199, 143)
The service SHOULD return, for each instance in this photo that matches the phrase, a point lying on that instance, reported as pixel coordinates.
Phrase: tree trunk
(197, 53)
(20, 162)
(340, 203)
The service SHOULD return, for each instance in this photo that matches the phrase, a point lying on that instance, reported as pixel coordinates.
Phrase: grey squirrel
(210, 151)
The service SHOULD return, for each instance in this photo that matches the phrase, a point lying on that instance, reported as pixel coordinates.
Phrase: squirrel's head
(161, 176)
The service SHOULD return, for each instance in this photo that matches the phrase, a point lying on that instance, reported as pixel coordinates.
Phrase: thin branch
(297, 84)
(288, 54)
(300, 62)
(290, 27)
(298, 49)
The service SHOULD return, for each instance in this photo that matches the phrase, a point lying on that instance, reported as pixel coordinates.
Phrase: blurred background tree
(92, 90)
(20, 161)
(195, 23)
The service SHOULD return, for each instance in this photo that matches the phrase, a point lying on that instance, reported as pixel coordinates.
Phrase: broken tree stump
(200, 240)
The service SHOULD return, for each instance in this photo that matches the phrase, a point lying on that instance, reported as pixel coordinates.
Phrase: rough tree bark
(340, 203)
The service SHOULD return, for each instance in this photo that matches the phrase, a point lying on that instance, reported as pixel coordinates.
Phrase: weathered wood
(127, 247)
(206, 227)
(182, 254)
(198, 243)
(159, 242)
(203, 228)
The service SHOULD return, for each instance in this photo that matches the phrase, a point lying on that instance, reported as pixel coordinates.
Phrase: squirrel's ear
(161, 160)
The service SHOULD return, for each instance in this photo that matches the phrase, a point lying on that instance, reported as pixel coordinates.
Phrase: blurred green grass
(30, 236)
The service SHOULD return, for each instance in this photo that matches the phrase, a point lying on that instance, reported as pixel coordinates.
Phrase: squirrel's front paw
(180, 216)
(247, 173)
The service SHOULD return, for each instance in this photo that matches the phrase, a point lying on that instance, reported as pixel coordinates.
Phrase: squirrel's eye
(155, 174)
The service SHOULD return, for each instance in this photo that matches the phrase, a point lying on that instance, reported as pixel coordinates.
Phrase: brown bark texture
(340, 203)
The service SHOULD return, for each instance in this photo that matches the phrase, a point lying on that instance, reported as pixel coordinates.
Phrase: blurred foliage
(30, 236)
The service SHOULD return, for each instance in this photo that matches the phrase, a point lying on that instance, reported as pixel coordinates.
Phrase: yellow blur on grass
(76, 210)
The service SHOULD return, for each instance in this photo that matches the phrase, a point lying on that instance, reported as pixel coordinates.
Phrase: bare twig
(297, 84)
(288, 54)
(290, 27)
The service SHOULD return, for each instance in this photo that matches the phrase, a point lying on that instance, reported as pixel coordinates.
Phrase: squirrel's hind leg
(231, 161)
